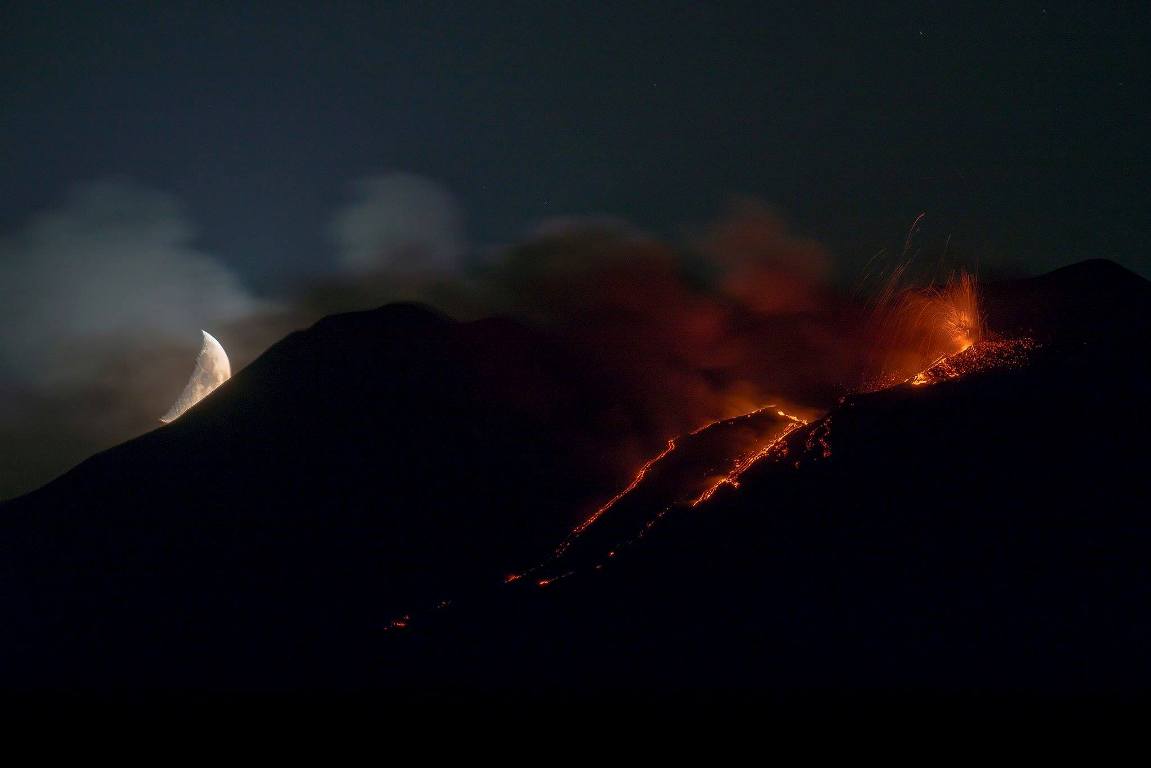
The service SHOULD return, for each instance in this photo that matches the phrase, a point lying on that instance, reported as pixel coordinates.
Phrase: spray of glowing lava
(955, 311)
(918, 327)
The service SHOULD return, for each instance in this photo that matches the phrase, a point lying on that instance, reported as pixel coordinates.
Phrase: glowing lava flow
(974, 358)
(599, 512)
(741, 466)
(731, 477)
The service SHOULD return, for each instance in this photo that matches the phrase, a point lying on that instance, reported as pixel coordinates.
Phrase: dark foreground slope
(372, 462)
(988, 534)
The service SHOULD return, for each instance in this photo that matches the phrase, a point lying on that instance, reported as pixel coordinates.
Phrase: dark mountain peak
(362, 332)
(1096, 272)
(397, 316)
(1096, 299)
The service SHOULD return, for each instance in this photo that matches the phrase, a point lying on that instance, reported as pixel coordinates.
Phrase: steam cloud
(101, 302)
(399, 222)
(108, 295)
(112, 266)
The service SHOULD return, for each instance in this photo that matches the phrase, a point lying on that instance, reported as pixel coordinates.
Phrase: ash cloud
(738, 317)
(108, 292)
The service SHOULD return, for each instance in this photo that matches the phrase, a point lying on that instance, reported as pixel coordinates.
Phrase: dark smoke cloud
(742, 317)
(108, 296)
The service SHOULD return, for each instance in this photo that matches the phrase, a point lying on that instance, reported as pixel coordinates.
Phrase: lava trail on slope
(694, 467)
(684, 475)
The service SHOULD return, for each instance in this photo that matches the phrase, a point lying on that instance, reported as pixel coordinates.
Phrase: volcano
(393, 499)
(374, 461)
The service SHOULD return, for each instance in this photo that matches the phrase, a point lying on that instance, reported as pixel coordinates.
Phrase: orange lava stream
(731, 478)
(980, 356)
(741, 466)
(973, 357)
(922, 377)
(631, 487)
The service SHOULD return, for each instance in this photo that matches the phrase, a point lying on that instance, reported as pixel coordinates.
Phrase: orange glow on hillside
(941, 334)
(981, 356)
(611, 503)
(745, 463)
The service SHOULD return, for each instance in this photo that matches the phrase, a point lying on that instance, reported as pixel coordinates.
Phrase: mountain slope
(369, 463)
(986, 534)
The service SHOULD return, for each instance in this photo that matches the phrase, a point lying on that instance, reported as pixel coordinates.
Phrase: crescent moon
(212, 369)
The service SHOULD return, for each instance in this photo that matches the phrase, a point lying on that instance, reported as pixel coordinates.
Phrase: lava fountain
(917, 327)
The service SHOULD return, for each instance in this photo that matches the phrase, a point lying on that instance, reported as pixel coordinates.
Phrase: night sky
(1020, 129)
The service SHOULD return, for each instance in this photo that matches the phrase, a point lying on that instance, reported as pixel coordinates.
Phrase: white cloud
(111, 266)
(399, 221)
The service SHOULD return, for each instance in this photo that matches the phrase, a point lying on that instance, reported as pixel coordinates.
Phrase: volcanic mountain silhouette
(365, 465)
(986, 533)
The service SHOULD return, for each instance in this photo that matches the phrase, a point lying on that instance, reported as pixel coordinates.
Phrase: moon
(212, 369)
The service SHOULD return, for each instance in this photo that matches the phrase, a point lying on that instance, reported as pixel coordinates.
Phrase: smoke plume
(108, 294)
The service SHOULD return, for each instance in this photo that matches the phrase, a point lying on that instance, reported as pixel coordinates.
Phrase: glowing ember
(981, 356)
(544, 582)
(400, 623)
(819, 439)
